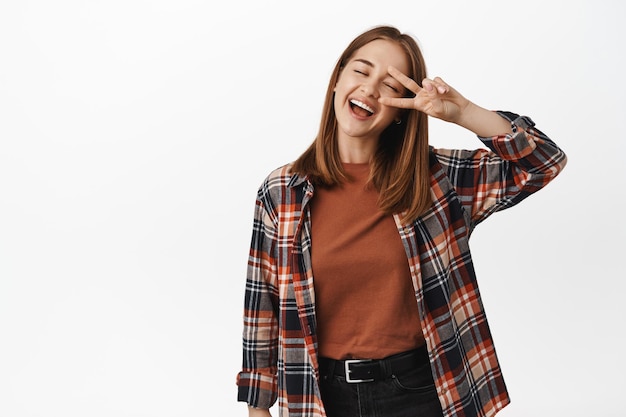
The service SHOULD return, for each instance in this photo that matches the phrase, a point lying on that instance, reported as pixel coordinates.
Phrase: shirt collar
(297, 180)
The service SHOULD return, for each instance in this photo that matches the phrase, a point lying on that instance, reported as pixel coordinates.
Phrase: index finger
(407, 82)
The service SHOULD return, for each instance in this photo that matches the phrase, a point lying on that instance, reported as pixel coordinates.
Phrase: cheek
(339, 93)
(339, 86)
(391, 114)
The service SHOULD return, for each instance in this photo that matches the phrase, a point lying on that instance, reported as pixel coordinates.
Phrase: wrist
(467, 115)
(258, 412)
(483, 122)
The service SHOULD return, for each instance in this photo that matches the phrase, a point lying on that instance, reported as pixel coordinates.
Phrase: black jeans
(405, 393)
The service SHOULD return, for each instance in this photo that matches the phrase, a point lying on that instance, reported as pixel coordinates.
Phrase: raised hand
(438, 99)
(435, 97)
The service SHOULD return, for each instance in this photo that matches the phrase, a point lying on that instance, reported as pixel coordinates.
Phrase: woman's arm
(483, 122)
(257, 380)
(520, 160)
(513, 167)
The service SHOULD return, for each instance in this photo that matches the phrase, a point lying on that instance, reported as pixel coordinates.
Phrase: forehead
(382, 53)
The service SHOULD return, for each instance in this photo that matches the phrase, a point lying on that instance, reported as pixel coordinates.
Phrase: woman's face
(361, 82)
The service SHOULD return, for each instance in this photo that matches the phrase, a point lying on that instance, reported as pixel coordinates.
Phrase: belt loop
(330, 369)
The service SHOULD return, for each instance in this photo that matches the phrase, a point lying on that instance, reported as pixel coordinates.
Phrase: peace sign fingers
(435, 97)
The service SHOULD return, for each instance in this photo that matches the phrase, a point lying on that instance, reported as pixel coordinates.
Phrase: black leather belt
(369, 370)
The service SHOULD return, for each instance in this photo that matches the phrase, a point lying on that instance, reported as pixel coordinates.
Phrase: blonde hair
(400, 166)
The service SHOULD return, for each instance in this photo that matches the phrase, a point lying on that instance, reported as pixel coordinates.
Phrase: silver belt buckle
(348, 371)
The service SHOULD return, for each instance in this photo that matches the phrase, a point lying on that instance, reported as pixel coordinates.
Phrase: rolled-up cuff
(257, 390)
(513, 146)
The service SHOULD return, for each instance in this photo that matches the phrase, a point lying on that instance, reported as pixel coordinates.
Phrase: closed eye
(394, 89)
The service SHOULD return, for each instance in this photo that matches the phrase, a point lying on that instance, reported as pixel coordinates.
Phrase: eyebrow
(365, 61)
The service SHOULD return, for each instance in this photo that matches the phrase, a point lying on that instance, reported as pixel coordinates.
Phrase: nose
(369, 89)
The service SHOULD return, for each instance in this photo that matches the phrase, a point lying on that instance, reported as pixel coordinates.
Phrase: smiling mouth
(360, 108)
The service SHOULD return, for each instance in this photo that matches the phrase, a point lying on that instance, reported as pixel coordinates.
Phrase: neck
(356, 150)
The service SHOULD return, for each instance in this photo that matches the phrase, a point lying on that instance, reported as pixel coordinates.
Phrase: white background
(133, 137)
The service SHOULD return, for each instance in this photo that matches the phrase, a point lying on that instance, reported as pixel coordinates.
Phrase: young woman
(361, 297)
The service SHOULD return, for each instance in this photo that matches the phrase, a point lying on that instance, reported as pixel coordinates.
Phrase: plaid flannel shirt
(279, 339)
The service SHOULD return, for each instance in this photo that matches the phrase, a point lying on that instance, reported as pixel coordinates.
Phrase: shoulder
(279, 182)
(282, 176)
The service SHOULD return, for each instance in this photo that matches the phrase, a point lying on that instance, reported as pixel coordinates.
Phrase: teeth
(362, 105)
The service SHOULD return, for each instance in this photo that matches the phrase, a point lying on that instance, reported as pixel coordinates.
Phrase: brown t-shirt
(364, 297)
